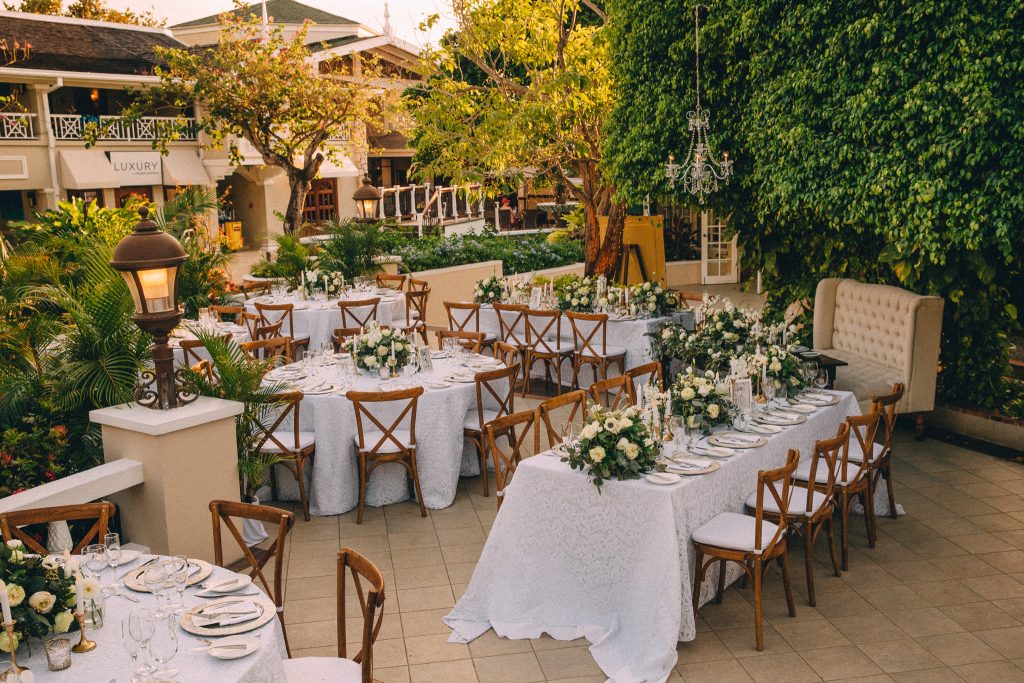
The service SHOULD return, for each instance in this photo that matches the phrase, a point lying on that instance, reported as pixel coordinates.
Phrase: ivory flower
(687, 393)
(15, 593)
(597, 453)
(62, 622)
(612, 425)
(42, 601)
(7, 643)
(590, 430)
(713, 411)
(90, 589)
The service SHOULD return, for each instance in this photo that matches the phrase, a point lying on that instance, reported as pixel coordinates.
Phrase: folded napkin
(226, 619)
(785, 415)
(738, 437)
(695, 462)
(229, 609)
(224, 582)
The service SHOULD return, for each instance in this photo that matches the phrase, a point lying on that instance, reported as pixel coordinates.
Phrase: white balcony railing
(73, 127)
(17, 126)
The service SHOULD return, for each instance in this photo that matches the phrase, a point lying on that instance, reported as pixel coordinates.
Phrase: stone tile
(412, 540)
(981, 543)
(705, 647)
(891, 599)
(902, 654)
(433, 648)
(925, 622)
(1008, 561)
(999, 587)
(743, 643)
(434, 597)
(947, 592)
(395, 674)
(785, 666)
(979, 615)
(566, 662)
(810, 635)
(460, 671)
(512, 668)
(719, 671)
(461, 535)
(1009, 642)
(425, 622)
(490, 645)
(420, 577)
(959, 648)
(868, 628)
(939, 675)
(421, 557)
(460, 572)
(966, 566)
(389, 653)
(454, 554)
(546, 642)
(834, 663)
(990, 672)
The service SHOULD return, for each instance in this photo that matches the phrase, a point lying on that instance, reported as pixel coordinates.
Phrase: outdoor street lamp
(150, 262)
(367, 199)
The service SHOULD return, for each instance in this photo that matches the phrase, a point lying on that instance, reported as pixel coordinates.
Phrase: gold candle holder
(394, 371)
(84, 645)
(13, 668)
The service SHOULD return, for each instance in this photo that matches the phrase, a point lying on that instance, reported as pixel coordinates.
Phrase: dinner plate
(736, 440)
(222, 648)
(268, 611)
(714, 452)
(811, 355)
(777, 420)
(438, 385)
(708, 467)
(221, 585)
(762, 429)
(799, 349)
(801, 408)
(663, 478)
(820, 400)
(133, 578)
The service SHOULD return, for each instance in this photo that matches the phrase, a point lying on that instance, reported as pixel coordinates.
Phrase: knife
(149, 561)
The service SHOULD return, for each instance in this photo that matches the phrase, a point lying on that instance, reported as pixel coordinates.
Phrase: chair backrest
(888, 408)
(396, 282)
(278, 313)
(862, 428)
(828, 453)
(468, 340)
(577, 400)
(289, 407)
(519, 430)
(416, 285)
(543, 330)
(275, 348)
(251, 321)
(251, 289)
(10, 523)
(614, 393)
(343, 336)
(364, 403)
(269, 331)
(643, 375)
(774, 483)
(506, 353)
(512, 324)
(205, 368)
(495, 390)
(189, 349)
(359, 313)
(369, 590)
(224, 512)
(416, 306)
(462, 316)
(232, 313)
(589, 333)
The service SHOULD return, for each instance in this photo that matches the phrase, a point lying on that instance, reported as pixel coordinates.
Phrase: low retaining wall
(453, 284)
(979, 425)
(679, 273)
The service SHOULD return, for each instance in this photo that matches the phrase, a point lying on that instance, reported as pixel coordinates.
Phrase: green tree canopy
(875, 140)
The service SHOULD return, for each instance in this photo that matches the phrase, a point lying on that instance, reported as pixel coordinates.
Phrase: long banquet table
(614, 567)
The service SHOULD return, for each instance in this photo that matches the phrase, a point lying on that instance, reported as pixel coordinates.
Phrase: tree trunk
(603, 256)
(299, 185)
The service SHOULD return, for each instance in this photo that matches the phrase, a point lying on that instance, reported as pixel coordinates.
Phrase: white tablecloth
(109, 661)
(614, 567)
(630, 334)
(440, 446)
(319, 319)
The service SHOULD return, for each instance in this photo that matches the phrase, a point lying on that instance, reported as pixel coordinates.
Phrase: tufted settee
(886, 334)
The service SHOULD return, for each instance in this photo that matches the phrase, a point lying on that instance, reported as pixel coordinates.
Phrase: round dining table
(109, 661)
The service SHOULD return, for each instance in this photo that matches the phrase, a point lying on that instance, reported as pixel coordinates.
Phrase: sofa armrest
(922, 356)
(825, 312)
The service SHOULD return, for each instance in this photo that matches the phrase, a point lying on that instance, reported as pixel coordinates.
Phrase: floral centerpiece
(41, 591)
(614, 443)
(696, 393)
(490, 290)
(695, 349)
(773, 362)
(577, 294)
(322, 281)
(724, 324)
(379, 347)
(650, 298)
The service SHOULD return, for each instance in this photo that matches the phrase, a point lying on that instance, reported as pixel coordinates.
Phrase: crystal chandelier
(700, 171)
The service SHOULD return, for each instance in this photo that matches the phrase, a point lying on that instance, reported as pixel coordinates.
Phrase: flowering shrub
(323, 281)
(30, 456)
(380, 347)
(518, 254)
(577, 294)
(696, 394)
(41, 591)
(614, 443)
(489, 290)
(653, 299)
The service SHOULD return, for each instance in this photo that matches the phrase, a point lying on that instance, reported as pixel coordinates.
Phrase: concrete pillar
(189, 456)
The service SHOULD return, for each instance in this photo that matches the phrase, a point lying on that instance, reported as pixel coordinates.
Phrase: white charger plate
(739, 441)
(218, 651)
(133, 578)
(663, 478)
(243, 580)
(269, 611)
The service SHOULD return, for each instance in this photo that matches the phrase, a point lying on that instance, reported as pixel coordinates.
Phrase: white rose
(776, 366)
(647, 286)
(382, 350)
(652, 306)
(713, 411)
(596, 454)
(704, 389)
(398, 346)
(585, 301)
(590, 430)
(687, 393)
(666, 333)
(625, 423)
(62, 622)
(14, 544)
(603, 301)
(632, 450)
(479, 292)
(719, 326)
(42, 601)
(91, 588)
(15, 593)
(575, 302)
(622, 444)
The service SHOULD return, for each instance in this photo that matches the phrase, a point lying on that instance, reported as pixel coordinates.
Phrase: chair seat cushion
(472, 420)
(300, 338)
(857, 452)
(797, 502)
(734, 531)
(864, 377)
(401, 324)
(287, 437)
(321, 670)
(372, 436)
(553, 346)
(803, 473)
(609, 352)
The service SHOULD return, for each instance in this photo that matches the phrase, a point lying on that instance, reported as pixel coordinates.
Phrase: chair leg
(787, 584)
(416, 483)
(284, 633)
(832, 546)
(698, 561)
(888, 486)
(758, 626)
(482, 453)
(721, 582)
(558, 375)
(869, 515)
(526, 372)
(300, 474)
(362, 487)
(808, 532)
(844, 519)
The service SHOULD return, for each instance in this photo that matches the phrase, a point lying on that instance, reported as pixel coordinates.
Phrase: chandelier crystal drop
(700, 171)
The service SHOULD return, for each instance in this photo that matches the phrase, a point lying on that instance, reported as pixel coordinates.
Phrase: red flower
(50, 476)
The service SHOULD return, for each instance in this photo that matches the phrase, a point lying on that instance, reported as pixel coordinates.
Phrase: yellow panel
(649, 233)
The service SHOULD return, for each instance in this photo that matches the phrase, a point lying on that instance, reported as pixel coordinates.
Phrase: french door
(719, 260)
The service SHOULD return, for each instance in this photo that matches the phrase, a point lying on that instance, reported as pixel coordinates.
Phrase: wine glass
(112, 542)
(776, 391)
(94, 557)
(178, 567)
(810, 369)
(155, 578)
(164, 645)
(821, 379)
(136, 632)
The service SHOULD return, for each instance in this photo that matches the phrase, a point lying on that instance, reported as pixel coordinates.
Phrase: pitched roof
(282, 11)
(62, 44)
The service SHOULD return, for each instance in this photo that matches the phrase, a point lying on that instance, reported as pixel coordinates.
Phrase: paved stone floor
(941, 597)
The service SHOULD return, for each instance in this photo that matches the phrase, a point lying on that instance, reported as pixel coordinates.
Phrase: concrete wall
(678, 273)
(453, 284)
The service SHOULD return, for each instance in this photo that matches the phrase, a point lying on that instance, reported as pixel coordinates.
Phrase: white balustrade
(17, 126)
(73, 127)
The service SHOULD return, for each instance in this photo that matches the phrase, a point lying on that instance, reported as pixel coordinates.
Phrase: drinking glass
(821, 379)
(94, 557)
(810, 369)
(694, 423)
(179, 577)
(570, 432)
(776, 391)
(155, 578)
(112, 542)
(164, 645)
(679, 436)
(769, 392)
(136, 632)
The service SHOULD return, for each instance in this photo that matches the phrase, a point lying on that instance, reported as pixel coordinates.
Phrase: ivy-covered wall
(876, 139)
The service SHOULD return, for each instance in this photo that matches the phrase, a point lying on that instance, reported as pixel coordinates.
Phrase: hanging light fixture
(700, 171)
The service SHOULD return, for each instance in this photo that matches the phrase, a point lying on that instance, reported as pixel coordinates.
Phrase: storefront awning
(86, 169)
(182, 167)
(343, 168)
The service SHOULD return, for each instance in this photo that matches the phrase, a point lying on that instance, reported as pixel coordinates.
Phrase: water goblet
(821, 379)
(679, 436)
(94, 557)
(164, 645)
(112, 542)
(178, 567)
(136, 632)
(155, 579)
(694, 423)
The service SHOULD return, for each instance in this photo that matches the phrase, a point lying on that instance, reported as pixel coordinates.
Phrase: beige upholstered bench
(886, 334)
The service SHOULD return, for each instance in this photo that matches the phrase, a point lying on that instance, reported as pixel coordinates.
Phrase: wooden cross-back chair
(752, 542)
(11, 523)
(506, 353)
(284, 314)
(880, 464)
(369, 592)
(415, 285)
(395, 282)
(590, 342)
(205, 368)
(643, 375)
(495, 397)
(378, 444)
(520, 431)
(342, 337)
(358, 313)
(250, 321)
(465, 317)
(233, 313)
(512, 325)
(268, 331)
(578, 413)
(251, 289)
(224, 512)
(614, 393)
(471, 341)
(283, 437)
(275, 348)
(544, 343)
(414, 321)
(189, 349)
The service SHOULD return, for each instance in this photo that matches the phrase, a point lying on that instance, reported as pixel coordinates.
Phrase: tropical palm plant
(186, 210)
(351, 248)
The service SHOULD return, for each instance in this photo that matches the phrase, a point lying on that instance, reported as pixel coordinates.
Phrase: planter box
(979, 424)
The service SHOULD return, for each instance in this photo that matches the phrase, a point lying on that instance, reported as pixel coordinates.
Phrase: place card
(426, 362)
(743, 395)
